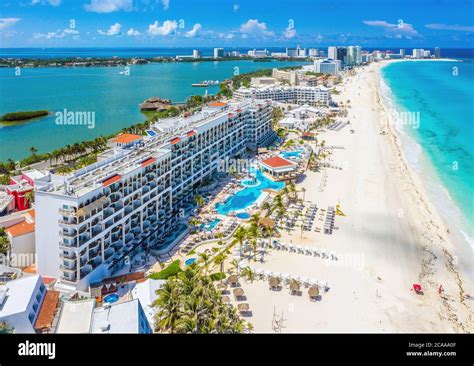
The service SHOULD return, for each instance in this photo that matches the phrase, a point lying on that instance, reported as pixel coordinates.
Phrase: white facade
(296, 52)
(218, 52)
(196, 54)
(258, 53)
(329, 66)
(20, 302)
(146, 293)
(295, 94)
(90, 224)
(354, 55)
(418, 53)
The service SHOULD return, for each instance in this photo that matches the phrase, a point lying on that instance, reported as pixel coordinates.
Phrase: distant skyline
(244, 23)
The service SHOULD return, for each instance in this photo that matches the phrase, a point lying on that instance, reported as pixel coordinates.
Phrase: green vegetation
(189, 303)
(218, 276)
(244, 79)
(5, 244)
(224, 91)
(22, 116)
(5, 328)
(172, 270)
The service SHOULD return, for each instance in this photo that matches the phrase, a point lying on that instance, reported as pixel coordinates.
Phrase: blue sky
(194, 23)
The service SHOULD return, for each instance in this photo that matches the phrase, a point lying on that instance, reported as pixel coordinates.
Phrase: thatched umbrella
(233, 280)
(273, 282)
(225, 299)
(238, 292)
(313, 292)
(294, 286)
(221, 286)
(243, 308)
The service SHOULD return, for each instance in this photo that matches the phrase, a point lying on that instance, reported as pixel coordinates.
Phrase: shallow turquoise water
(445, 102)
(114, 98)
(210, 226)
(247, 196)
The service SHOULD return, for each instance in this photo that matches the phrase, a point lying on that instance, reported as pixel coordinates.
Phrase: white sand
(391, 238)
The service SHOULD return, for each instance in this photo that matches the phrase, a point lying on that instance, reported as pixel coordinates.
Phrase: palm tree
(29, 197)
(5, 328)
(219, 260)
(33, 151)
(5, 244)
(304, 191)
(248, 273)
(204, 258)
(168, 307)
(199, 200)
(239, 236)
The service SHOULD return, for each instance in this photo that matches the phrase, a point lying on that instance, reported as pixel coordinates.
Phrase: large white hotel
(290, 94)
(91, 223)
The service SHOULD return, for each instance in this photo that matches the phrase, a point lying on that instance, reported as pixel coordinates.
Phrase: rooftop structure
(289, 94)
(278, 167)
(120, 317)
(20, 302)
(76, 316)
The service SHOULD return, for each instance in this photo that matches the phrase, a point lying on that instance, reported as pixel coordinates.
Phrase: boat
(200, 85)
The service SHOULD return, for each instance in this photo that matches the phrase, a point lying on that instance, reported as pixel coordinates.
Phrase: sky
(236, 23)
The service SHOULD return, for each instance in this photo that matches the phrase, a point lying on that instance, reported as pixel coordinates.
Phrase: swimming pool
(249, 195)
(210, 226)
(189, 261)
(243, 215)
(111, 298)
(292, 154)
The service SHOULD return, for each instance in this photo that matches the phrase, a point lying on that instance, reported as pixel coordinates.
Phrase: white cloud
(192, 33)
(60, 33)
(112, 31)
(453, 27)
(8, 22)
(399, 30)
(168, 27)
(290, 32)
(236, 7)
(166, 4)
(45, 2)
(109, 6)
(133, 32)
(255, 28)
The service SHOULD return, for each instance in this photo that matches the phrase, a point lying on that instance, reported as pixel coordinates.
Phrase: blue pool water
(247, 196)
(189, 261)
(210, 226)
(111, 298)
(292, 154)
(243, 215)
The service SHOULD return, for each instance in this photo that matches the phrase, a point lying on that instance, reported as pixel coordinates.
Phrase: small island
(22, 116)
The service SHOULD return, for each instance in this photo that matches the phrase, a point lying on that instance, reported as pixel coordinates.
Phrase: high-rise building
(426, 53)
(90, 224)
(218, 52)
(437, 52)
(196, 54)
(354, 55)
(327, 66)
(337, 53)
(313, 52)
(402, 52)
(296, 52)
(418, 53)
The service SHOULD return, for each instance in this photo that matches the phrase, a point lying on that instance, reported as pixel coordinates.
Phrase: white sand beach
(390, 238)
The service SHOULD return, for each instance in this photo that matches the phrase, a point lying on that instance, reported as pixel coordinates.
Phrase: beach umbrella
(225, 299)
(221, 286)
(313, 292)
(294, 286)
(238, 292)
(243, 307)
(273, 282)
(233, 279)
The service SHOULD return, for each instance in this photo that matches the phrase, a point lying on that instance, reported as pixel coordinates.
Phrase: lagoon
(113, 97)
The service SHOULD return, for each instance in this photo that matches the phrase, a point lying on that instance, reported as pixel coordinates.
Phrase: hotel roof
(48, 310)
(20, 229)
(76, 316)
(19, 293)
(277, 162)
(126, 138)
(120, 317)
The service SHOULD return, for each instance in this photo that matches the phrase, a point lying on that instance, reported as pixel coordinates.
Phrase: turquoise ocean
(441, 148)
(113, 96)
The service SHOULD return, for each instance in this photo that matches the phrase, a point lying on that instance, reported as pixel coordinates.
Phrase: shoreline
(438, 223)
(425, 167)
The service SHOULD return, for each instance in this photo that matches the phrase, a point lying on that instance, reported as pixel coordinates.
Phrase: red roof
(111, 180)
(175, 140)
(126, 138)
(277, 162)
(20, 229)
(48, 309)
(217, 104)
(191, 133)
(148, 162)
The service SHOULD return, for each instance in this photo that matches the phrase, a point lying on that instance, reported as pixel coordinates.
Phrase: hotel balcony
(118, 245)
(68, 276)
(65, 255)
(68, 243)
(108, 254)
(68, 267)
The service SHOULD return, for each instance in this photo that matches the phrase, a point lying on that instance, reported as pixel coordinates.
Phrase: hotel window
(31, 317)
